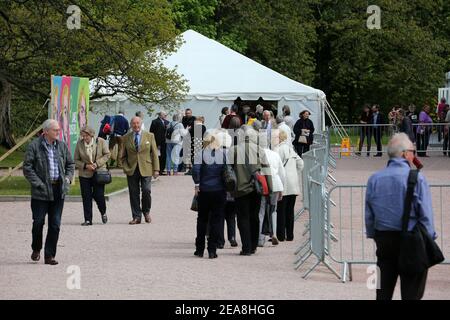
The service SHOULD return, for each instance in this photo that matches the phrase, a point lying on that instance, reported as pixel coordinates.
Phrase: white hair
(398, 144)
(49, 123)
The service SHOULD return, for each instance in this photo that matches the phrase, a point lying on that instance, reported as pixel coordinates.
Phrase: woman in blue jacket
(210, 188)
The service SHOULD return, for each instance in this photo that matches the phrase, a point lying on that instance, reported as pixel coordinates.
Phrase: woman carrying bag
(207, 174)
(90, 157)
(303, 130)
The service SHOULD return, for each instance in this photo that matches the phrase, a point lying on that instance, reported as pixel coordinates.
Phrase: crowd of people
(418, 126)
(249, 143)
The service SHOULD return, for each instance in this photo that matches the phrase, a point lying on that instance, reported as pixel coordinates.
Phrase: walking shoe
(220, 246)
(147, 217)
(86, 223)
(198, 253)
(51, 261)
(274, 240)
(212, 255)
(36, 255)
(233, 243)
(135, 221)
(104, 218)
(242, 253)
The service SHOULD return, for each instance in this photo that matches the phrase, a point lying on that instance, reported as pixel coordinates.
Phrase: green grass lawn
(12, 160)
(18, 186)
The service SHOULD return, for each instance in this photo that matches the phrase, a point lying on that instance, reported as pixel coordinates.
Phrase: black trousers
(301, 148)
(376, 133)
(388, 249)
(230, 218)
(162, 157)
(248, 220)
(422, 140)
(210, 213)
(138, 184)
(285, 218)
(92, 190)
(446, 145)
(54, 210)
(365, 132)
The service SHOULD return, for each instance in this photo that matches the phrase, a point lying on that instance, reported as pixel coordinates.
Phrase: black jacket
(159, 130)
(303, 124)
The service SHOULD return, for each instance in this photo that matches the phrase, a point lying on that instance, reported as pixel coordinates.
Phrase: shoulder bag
(418, 251)
(102, 176)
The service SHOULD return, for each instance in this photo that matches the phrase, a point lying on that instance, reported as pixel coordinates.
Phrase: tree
(120, 43)
(400, 63)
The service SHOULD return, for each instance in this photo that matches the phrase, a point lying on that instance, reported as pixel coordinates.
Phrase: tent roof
(216, 71)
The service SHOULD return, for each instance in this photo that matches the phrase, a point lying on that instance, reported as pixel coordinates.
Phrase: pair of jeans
(54, 209)
(211, 207)
(248, 221)
(92, 190)
(388, 250)
(172, 156)
(138, 184)
(285, 218)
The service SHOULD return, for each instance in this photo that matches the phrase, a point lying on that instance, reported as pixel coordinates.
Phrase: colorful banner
(69, 106)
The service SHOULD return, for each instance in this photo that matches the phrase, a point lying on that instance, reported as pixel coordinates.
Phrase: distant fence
(433, 138)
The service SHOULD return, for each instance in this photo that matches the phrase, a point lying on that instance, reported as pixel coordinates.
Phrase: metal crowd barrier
(433, 138)
(316, 180)
(348, 215)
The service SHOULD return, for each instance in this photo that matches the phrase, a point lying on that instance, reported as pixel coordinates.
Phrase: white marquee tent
(218, 75)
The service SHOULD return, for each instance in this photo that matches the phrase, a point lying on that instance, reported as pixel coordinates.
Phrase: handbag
(261, 182)
(229, 176)
(102, 176)
(194, 204)
(418, 251)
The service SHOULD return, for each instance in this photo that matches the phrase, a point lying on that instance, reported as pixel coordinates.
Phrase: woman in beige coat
(91, 156)
(293, 165)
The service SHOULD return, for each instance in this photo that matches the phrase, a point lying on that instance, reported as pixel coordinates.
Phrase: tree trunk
(6, 136)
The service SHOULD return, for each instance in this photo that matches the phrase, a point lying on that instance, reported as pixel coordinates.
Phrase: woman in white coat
(276, 170)
(293, 166)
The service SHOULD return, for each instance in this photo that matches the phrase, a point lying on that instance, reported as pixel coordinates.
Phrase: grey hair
(136, 117)
(279, 119)
(177, 117)
(399, 143)
(247, 133)
(47, 125)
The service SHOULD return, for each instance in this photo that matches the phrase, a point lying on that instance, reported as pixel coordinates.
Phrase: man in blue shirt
(385, 197)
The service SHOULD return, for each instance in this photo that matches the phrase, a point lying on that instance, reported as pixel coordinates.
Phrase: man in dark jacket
(188, 119)
(49, 168)
(120, 127)
(158, 128)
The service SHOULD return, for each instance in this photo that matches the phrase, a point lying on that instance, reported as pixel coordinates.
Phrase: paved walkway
(155, 261)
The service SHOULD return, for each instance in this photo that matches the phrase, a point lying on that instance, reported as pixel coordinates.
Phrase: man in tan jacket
(140, 162)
